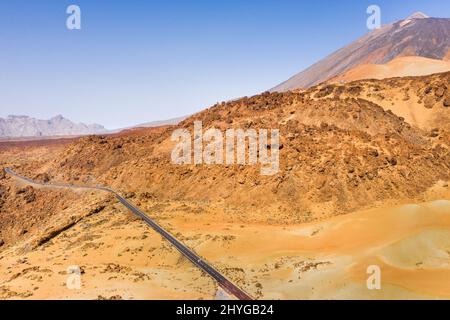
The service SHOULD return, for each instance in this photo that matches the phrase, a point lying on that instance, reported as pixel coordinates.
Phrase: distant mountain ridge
(23, 126)
(417, 35)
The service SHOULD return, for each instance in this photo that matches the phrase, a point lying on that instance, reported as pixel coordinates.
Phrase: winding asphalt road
(223, 282)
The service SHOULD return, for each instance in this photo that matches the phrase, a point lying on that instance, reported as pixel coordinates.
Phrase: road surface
(223, 282)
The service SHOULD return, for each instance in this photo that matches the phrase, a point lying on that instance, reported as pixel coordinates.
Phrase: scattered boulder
(3, 191)
(447, 101)
(428, 90)
(112, 298)
(130, 195)
(374, 153)
(440, 92)
(326, 91)
(355, 90)
(393, 161)
(434, 133)
(429, 102)
(30, 197)
(28, 194)
(97, 209)
(147, 195)
(44, 177)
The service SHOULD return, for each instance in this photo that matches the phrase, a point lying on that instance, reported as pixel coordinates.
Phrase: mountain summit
(24, 126)
(417, 15)
(418, 35)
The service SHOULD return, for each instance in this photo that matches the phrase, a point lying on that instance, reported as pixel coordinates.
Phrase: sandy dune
(329, 260)
(121, 257)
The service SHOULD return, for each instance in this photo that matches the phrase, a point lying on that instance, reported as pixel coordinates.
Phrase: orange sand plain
(121, 257)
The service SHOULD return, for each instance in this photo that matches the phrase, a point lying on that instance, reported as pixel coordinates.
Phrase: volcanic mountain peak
(418, 35)
(417, 15)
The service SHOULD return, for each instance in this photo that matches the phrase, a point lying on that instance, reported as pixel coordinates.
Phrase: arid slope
(340, 152)
(399, 67)
(363, 179)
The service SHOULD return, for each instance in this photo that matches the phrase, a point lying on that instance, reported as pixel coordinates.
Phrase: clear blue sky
(140, 60)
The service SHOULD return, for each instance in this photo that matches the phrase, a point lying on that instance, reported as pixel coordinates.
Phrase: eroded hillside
(341, 149)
